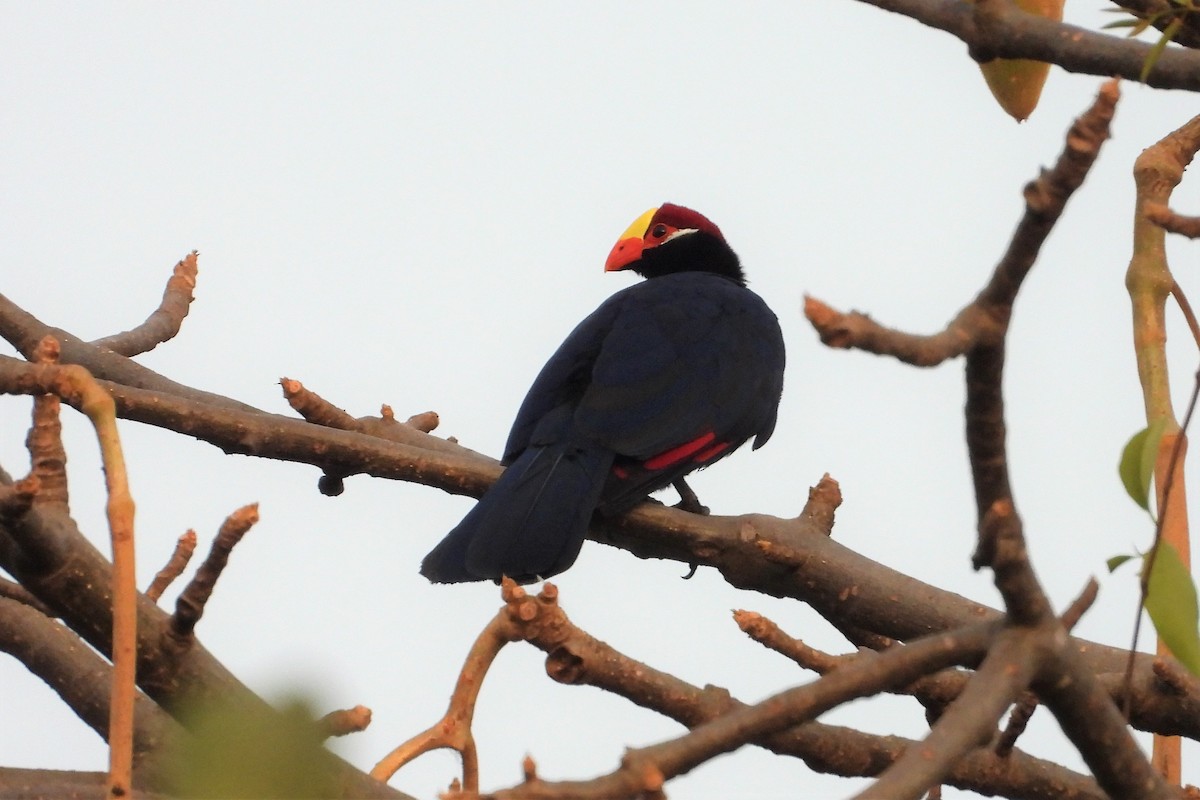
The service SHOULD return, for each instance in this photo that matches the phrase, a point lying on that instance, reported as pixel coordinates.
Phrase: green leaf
(1171, 602)
(1117, 561)
(1137, 462)
(1122, 23)
(1152, 57)
(242, 752)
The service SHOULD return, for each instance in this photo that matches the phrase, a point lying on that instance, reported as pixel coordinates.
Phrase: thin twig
(184, 548)
(1186, 308)
(1173, 222)
(164, 323)
(453, 730)
(189, 606)
(344, 722)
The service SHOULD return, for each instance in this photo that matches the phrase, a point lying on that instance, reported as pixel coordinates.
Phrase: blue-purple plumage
(665, 377)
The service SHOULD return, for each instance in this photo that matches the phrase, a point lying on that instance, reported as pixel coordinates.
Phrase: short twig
(164, 323)
(1024, 708)
(1080, 605)
(343, 722)
(1018, 718)
(1185, 308)
(189, 607)
(770, 635)
(184, 547)
(1173, 222)
(47, 457)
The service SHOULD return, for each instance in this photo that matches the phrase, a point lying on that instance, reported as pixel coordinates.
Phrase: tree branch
(45, 551)
(969, 722)
(992, 29)
(166, 320)
(83, 680)
(575, 657)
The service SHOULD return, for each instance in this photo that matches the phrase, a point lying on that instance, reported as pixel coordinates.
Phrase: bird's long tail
(532, 521)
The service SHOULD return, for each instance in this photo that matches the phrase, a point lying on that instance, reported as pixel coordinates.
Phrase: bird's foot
(688, 501)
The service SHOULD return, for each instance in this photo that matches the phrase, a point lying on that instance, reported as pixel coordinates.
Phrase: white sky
(411, 204)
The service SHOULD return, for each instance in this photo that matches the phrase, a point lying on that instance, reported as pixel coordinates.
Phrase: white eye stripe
(680, 232)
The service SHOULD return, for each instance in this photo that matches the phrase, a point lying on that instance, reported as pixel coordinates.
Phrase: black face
(691, 252)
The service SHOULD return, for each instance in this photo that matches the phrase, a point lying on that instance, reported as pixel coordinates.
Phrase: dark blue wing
(686, 355)
(663, 378)
(565, 377)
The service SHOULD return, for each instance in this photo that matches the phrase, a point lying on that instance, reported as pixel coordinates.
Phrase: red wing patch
(700, 450)
(707, 454)
(683, 452)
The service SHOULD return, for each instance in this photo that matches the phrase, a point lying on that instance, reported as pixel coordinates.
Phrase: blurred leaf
(1171, 602)
(1131, 22)
(1116, 561)
(1152, 57)
(1137, 462)
(242, 753)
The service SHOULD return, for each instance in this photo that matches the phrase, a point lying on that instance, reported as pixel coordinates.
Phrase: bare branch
(574, 657)
(83, 680)
(47, 458)
(1022, 712)
(969, 722)
(810, 567)
(24, 331)
(769, 634)
(453, 730)
(1173, 222)
(1080, 605)
(1094, 724)
(166, 320)
(47, 553)
(15, 591)
(992, 29)
(984, 321)
(189, 607)
(344, 722)
(184, 547)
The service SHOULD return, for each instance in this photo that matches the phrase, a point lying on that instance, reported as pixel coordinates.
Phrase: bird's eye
(659, 231)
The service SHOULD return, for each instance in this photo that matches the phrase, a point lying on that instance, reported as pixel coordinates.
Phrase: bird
(667, 376)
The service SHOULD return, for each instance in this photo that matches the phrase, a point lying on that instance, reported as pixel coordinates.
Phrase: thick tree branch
(575, 657)
(83, 680)
(24, 331)
(994, 29)
(50, 784)
(44, 550)
(783, 558)
(969, 722)
(1096, 727)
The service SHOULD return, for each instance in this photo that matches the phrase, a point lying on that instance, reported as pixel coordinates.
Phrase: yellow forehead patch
(638, 229)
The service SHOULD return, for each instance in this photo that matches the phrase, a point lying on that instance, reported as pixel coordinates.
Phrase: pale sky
(411, 204)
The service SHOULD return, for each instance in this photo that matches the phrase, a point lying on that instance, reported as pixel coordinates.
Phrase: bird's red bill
(624, 253)
(628, 248)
